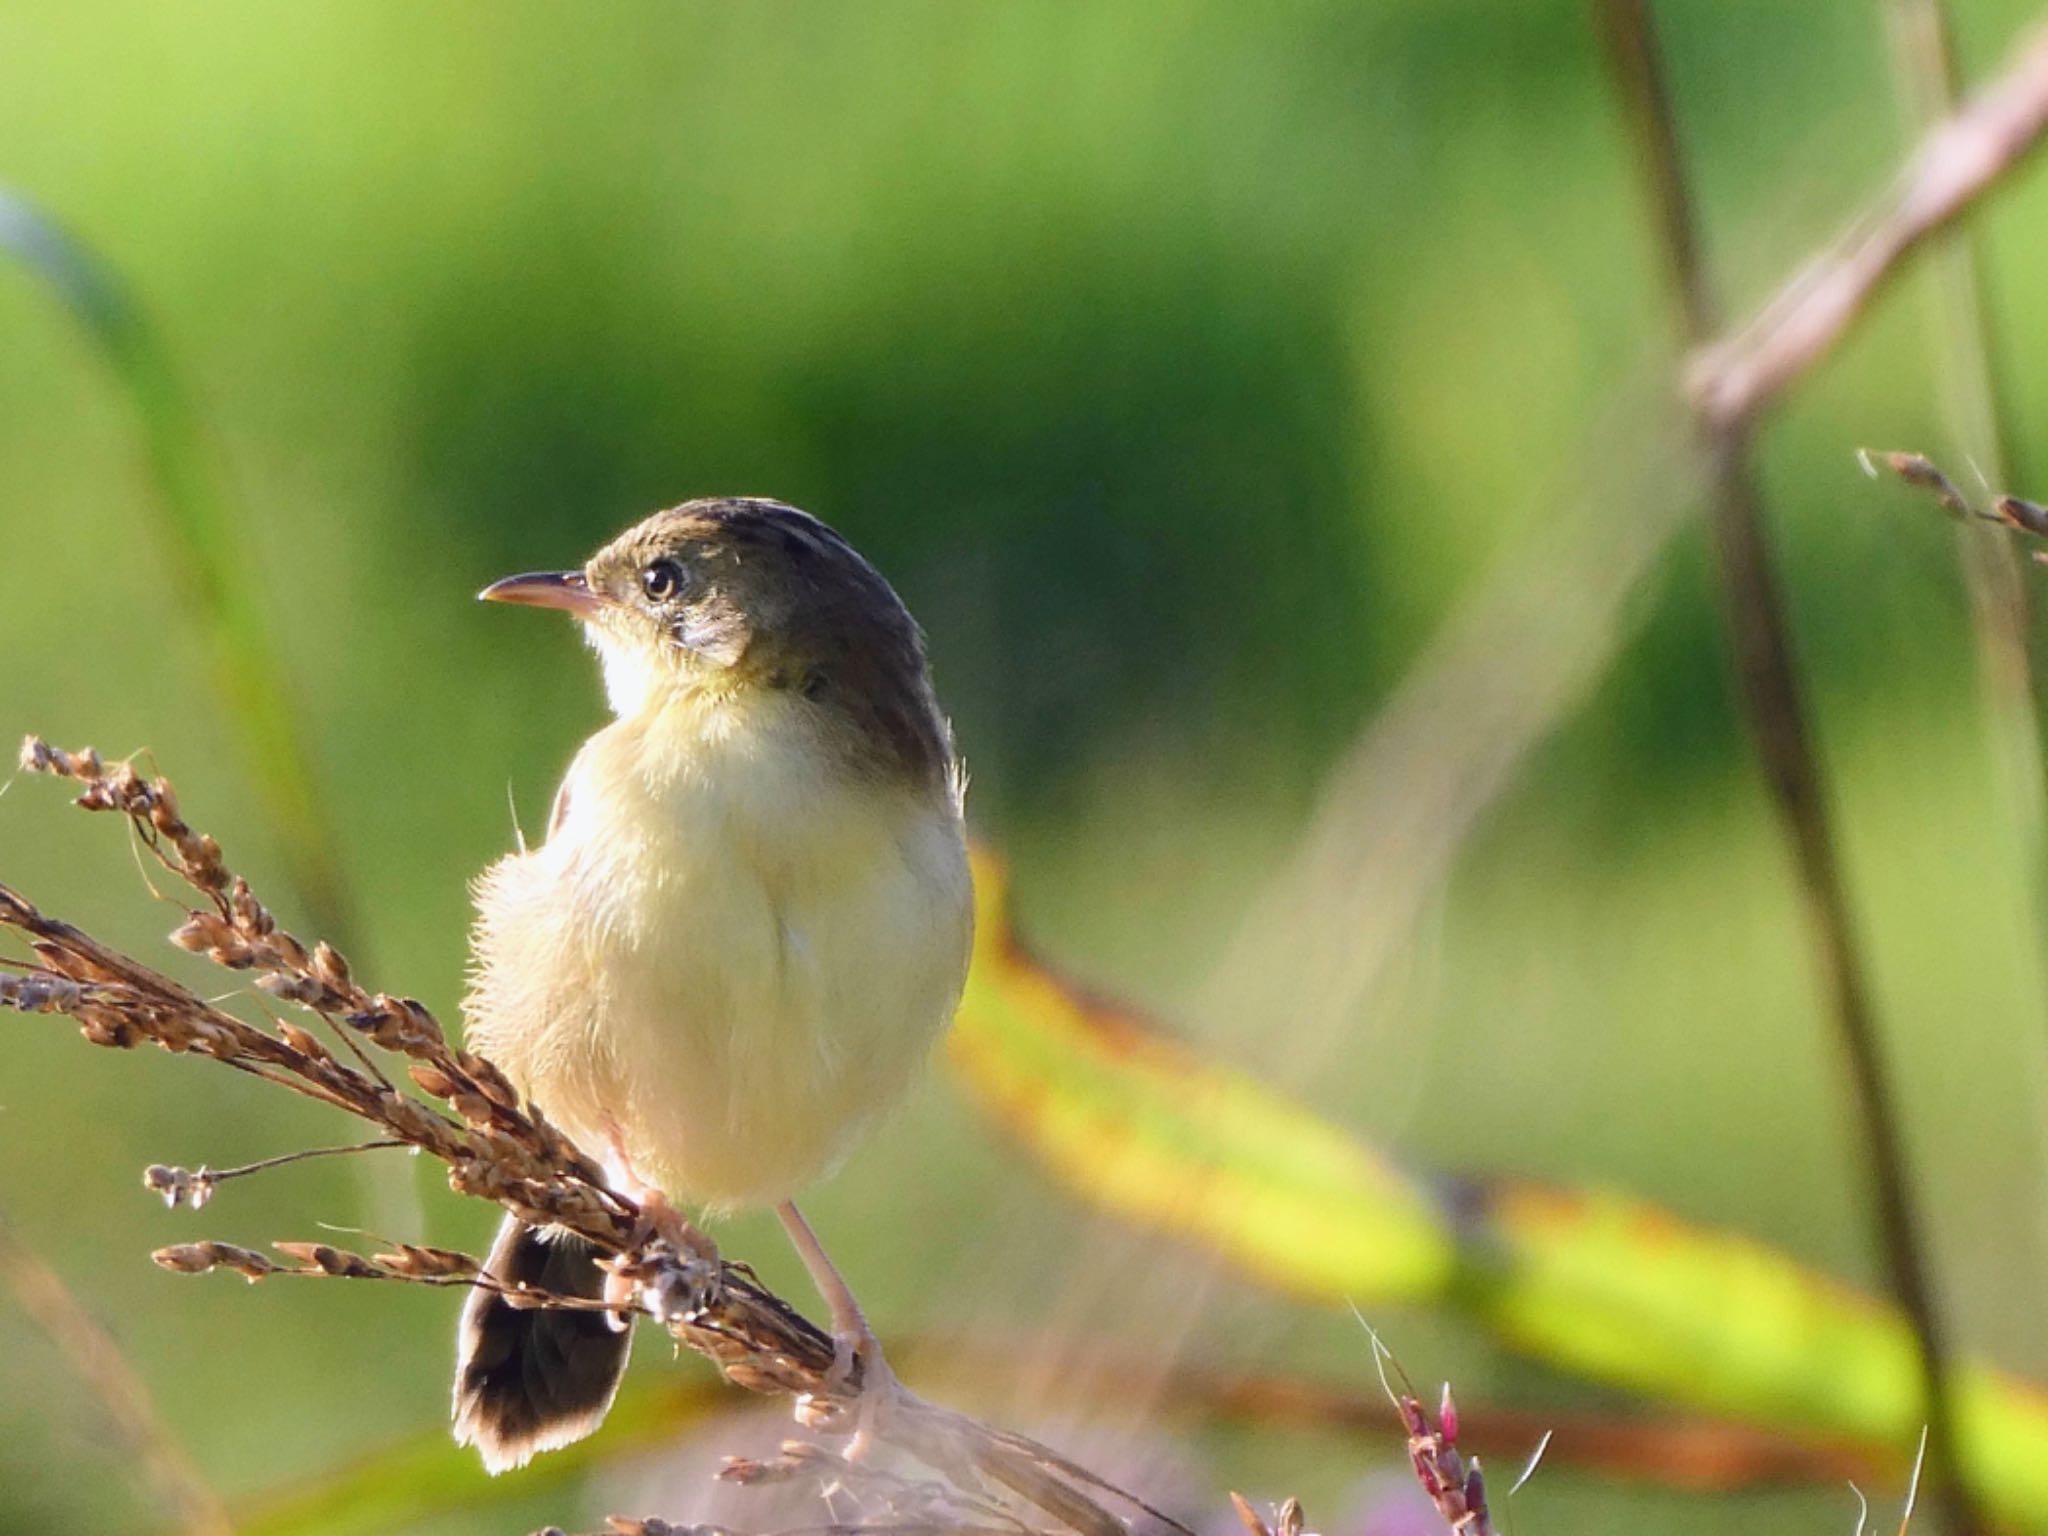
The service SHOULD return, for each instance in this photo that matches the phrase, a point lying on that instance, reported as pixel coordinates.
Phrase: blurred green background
(1184, 366)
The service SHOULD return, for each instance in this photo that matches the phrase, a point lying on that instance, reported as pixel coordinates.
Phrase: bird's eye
(662, 580)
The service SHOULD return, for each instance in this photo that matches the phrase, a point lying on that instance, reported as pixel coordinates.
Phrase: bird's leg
(658, 1218)
(852, 1338)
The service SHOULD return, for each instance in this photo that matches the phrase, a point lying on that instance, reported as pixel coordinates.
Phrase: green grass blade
(201, 536)
(1599, 1285)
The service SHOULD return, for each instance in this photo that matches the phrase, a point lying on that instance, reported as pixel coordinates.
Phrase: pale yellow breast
(729, 947)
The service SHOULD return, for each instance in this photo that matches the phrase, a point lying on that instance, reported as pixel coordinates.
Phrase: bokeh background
(1185, 367)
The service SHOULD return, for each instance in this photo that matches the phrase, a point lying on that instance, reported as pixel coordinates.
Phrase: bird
(748, 922)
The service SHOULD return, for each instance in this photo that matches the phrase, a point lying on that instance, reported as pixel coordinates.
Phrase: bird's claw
(682, 1287)
(659, 1219)
(868, 1405)
(667, 1281)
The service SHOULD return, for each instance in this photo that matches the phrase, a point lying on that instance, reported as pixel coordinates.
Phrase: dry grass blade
(1736, 376)
(495, 1148)
(1913, 1485)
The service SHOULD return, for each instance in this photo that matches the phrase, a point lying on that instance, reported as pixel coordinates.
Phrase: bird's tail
(532, 1379)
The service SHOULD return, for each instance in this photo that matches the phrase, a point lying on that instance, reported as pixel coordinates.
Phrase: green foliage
(1183, 365)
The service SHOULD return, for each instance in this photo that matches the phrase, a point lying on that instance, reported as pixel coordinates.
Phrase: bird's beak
(566, 590)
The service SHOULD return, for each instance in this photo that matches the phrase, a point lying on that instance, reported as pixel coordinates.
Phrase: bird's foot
(855, 1349)
(661, 1280)
(659, 1219)
(856, 1353)
(671, 1270)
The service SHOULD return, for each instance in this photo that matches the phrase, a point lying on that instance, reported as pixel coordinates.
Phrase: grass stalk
(1973, 403)
(203, 535)
(1775, 708)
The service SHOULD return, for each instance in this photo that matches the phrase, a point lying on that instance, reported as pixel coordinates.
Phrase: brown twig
(195, 1186)
(1774, 705)
(1732, 378)
(495, 1147)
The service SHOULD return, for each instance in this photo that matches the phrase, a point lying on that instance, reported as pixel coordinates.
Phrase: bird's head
(732, 596)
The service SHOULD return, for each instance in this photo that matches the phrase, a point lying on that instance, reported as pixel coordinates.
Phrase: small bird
(748, 923)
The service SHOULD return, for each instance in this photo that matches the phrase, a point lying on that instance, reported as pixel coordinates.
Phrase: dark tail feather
(532, 1380)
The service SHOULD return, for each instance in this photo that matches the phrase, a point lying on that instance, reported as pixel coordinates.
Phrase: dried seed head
(398, 1024)
(2022, 514)
(163, 807)
(105, 1029)
(64, 962)
(524, 1298)
(427, 1263)
(412, 1120)
(247, 911)
(304, 1041)
(184, 1258)
(330, 1260)
(179, 1186)
(1475, 1492)
(286, 987)
(1412, 1417)
(492, 1083)
(431, 1079)
(421, 1025)
(203, 865)
(198, 1258)
(38, 756)
(41, 994)
(329, 966)
(199, 933)
(1915, 469)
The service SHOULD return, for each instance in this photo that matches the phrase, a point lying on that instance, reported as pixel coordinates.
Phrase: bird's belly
(730, 1003)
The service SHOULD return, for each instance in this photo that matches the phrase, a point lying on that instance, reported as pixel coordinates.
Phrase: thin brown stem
(1773, 703)
(195, 1186)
